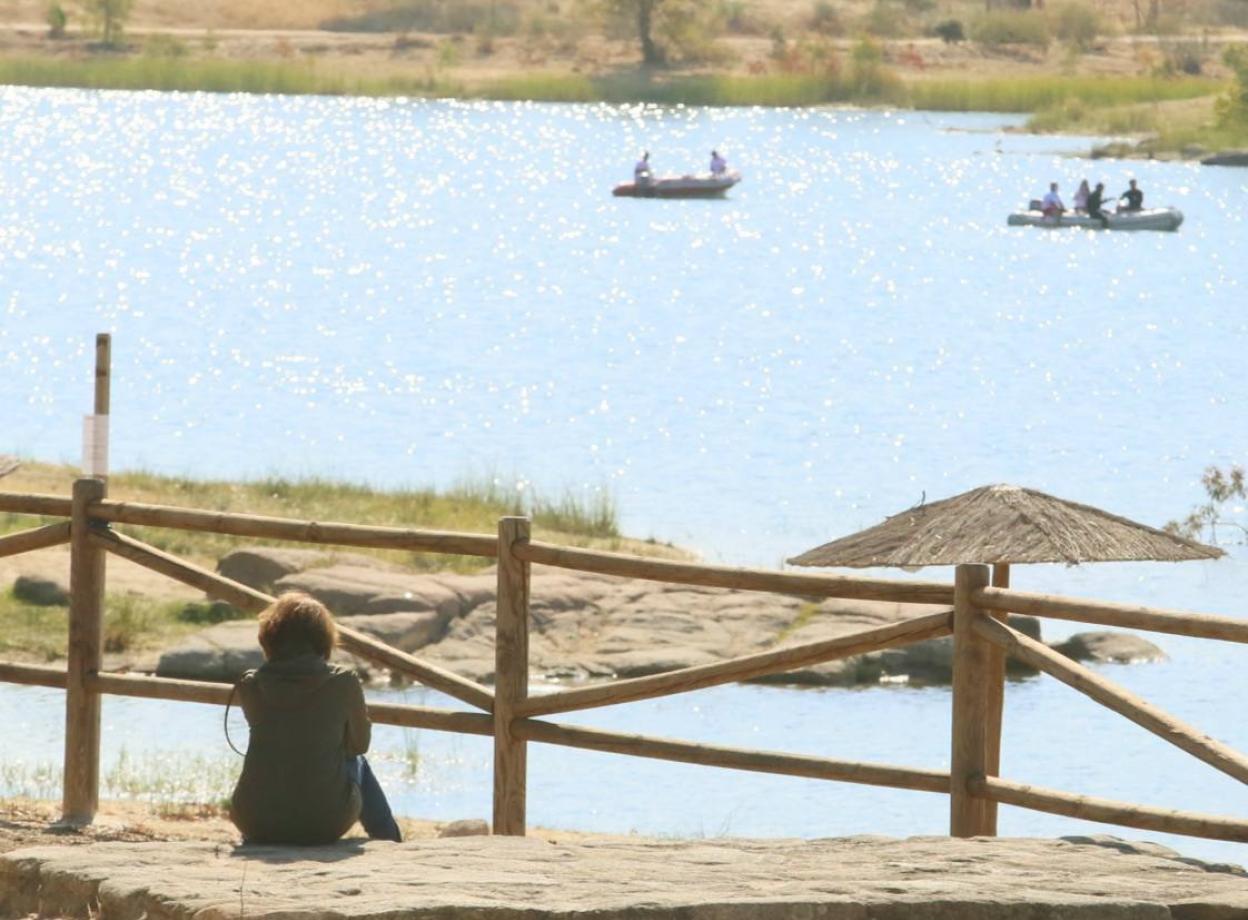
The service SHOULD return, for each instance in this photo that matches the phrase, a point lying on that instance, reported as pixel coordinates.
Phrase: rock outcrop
(589, 627)
(505, 878)
(1115, 647)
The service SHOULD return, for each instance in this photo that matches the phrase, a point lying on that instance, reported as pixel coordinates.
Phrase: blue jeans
(375, 813)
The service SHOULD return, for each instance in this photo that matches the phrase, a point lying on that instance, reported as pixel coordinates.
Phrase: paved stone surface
(499, 878)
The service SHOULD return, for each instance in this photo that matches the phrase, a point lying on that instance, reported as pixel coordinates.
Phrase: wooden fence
(513, 719)
(971, 610)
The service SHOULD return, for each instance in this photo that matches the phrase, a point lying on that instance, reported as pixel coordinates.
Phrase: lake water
(411, 292)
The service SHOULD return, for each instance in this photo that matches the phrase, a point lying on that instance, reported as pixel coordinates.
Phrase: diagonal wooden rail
(25, 541)
(931, 626)
(247, 598)
(1116, 698)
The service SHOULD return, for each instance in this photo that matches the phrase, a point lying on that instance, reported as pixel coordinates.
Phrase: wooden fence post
(968, 816)
(511, 677)
(81, 789)
(995, 679)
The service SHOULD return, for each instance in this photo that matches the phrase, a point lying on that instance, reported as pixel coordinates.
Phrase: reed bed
(473, 505)
(1033, 94)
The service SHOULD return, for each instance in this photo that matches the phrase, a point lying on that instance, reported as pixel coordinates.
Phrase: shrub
(825, 20)
(1233, 106)
(57, 20)
(1076, 24)
(1011, 27)
(886, 20)
(1182, 57)
(950, 31)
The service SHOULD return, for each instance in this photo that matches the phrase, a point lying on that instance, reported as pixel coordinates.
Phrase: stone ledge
(501, 878)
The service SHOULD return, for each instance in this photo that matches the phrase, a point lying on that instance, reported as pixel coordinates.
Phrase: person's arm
(359, 728)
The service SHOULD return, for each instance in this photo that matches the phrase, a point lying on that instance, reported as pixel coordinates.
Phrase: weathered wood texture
(1108, 613)
(995, 688)
(1116, 698)
(194, 691)
(103, 372)
(511, 677)
(36, 504)
(700, 677)
(34, 675)
(272, 528)
(968, 755)
(689, 573)
(24, 541)
(846, 771)
(215, 586)
(247, 598)
(1108, 811)
(81, 778)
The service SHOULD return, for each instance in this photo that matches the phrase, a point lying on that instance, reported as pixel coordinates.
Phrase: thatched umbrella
(1000, 525)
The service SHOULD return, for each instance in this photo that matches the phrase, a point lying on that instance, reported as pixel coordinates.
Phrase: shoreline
(1099, 91)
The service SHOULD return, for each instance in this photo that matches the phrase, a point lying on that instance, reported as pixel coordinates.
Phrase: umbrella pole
(995, 691)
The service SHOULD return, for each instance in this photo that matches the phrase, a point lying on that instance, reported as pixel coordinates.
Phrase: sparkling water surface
(410, 292)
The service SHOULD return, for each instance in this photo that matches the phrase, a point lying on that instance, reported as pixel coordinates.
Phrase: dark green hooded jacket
(306, 717)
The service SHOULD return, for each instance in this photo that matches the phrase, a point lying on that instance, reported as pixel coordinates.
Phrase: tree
(109, 18)
(644, 13)
(1220, 488)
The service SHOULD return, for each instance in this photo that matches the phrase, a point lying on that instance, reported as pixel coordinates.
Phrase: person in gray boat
(719, 165)
(1096, 202)
(305, 780)
(1133, 197)
(641, 172)
(1052, 205)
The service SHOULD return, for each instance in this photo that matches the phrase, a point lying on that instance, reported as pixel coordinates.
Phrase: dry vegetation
(1076, 62)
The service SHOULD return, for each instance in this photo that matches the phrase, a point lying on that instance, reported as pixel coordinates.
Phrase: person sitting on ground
(1052, 205)
(1081, 198)
(305, 780)
(641, 172)
(719, 165)
(1134, 198)
(1096, 202)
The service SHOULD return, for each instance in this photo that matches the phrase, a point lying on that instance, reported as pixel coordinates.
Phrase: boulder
(406, 631)
(41, 590)
(262, 566)
(221, 653)
(1116, 647)
(348, 590)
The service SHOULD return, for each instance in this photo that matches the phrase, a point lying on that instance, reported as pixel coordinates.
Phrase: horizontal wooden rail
(197, 691)
(1107, 613)
(272, 528)
(36, 675)
(737, 669)
(1116, 698)
(689, 573)
(1108, 811)
(352, 640)
(846, 771)
(33, 503)
(25, 541)
(194, 691)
